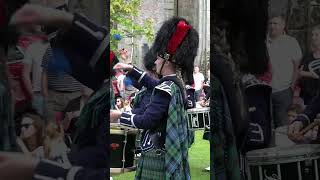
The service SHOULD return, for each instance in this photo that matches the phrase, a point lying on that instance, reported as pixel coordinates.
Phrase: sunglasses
(25, 125)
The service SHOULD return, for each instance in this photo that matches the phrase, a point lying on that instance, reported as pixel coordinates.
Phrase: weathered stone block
(298, 18)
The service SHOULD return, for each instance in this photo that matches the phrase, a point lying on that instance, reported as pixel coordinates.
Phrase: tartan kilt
(151, 166)
(190, 137)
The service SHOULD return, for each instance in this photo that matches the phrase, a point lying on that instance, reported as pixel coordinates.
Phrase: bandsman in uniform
(165, 139)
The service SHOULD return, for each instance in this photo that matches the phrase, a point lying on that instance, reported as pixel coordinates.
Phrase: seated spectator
(293, 112)
(54, 146)
(31, 136)
(119, 104)
(127, 106)
(72, 111)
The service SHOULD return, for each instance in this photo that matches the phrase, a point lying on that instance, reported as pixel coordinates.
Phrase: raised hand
(123, 66)
(39, 15)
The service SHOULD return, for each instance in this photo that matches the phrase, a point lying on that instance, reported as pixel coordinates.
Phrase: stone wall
(196, 12)
(159, 11)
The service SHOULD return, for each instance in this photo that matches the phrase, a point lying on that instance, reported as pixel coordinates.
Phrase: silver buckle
(166, 56)
(158, 152)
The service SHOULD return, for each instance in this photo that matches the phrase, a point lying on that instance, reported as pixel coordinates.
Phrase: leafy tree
(122, 22)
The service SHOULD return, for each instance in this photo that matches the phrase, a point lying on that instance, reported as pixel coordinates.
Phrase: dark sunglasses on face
(25, 125)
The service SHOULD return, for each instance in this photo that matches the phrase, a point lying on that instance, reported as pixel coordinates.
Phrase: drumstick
(309, 127)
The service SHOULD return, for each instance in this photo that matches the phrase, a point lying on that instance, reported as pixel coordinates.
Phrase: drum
(296, 162)
(122, 150)
(198, 118)
(281, 137)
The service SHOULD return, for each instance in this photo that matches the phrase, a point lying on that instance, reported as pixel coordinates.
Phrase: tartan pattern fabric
(7, 126)
(224, 154)
(177, 138)
(151, 166)
(98, 104)
(173, 164)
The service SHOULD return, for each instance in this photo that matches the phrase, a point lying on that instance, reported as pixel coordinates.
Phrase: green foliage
(122, 21)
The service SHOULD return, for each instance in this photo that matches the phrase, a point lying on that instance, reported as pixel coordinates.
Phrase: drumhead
(198, 110)
(287, 154)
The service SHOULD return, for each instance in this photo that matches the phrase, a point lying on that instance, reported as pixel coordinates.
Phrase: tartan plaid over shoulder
(224, 154)
(177, 141)
(93, 114)
(7, 126)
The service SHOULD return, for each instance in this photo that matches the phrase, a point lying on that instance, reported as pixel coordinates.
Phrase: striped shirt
(58, 80)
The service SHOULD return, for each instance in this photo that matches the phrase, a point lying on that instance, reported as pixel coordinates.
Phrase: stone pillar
(189, 9)
(278, 5)
(159, 11)
(198, 14)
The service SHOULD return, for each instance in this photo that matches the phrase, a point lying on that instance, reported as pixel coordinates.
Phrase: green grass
(199, 158)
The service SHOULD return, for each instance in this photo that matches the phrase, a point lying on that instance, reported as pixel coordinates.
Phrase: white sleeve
(28, 55)
(296, 51)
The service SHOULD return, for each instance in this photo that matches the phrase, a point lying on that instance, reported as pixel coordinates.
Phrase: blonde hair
(52, 132)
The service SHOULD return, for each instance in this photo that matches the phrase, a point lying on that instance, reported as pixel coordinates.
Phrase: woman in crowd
(54, 146)
(31, 136)
(119, 104)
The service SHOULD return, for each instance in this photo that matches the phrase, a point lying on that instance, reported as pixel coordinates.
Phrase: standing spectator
(128, 86)
(285, 55)
(58, 87)
(120, 83)
(206, 86)
(198, 82)
(124, 55)
(32, 66)
(309, 82)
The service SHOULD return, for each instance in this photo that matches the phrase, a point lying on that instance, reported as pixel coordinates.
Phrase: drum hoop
(117, 131)
(122, 132)
(198, 110)
(282, 160)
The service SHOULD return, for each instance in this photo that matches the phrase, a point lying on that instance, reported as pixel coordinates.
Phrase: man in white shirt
(198, 82)
(285, 55)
